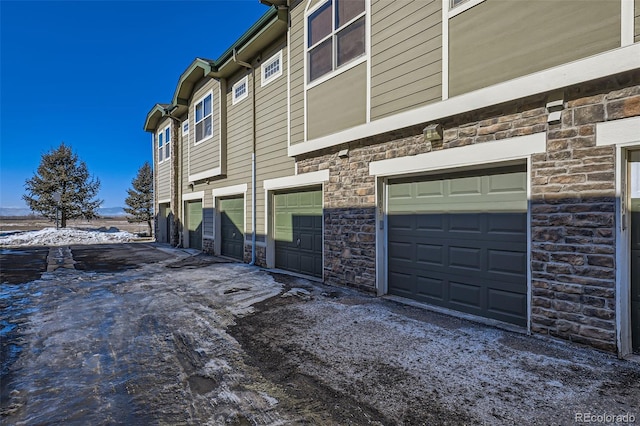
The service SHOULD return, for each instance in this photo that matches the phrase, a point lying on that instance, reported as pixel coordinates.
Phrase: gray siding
(637, 21)
(207, 214)
(271, 134)
(406, 60)
(205, 155)
(297, 72)
(498, 40)
(337, 104)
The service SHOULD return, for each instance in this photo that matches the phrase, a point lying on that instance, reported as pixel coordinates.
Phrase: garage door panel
(430, 289)
(507, 262)
(464, 223)
(506, 223)
(465, 294)
(463, 248)
(430, 254)
(466, 258)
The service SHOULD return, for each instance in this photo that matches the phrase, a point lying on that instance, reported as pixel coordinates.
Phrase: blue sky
(87, 73)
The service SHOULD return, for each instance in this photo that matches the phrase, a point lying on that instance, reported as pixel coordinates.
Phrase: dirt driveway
(144, 334)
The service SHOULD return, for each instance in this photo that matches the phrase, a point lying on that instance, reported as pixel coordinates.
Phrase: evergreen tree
(140, 199)
(62, 187)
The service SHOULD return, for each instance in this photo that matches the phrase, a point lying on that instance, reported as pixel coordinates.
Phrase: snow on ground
(63, 237)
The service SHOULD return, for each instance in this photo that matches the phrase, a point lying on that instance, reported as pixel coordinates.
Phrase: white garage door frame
(487, 155)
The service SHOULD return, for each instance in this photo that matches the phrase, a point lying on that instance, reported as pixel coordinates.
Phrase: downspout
(253, 154)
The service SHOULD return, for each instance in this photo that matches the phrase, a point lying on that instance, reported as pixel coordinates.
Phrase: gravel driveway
(145, 334)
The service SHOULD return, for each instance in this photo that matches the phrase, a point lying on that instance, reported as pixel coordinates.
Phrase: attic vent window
(272, 68)
(240, 90)
(335, 36)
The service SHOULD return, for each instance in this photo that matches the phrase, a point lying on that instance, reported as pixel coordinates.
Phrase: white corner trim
(164, 201)
(626, 22)
(469, 155)
(206, 174)
(618, 132)
(453, 11)
(445, 49)
(296, 181)
(229, 190)
(597, 66)
(193, 196)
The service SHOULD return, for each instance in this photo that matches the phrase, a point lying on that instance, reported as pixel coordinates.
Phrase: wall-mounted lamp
(191, 185)
(432, 133)
(344, 153)
(207, 181)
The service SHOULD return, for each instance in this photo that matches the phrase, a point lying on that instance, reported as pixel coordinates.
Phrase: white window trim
(612, 62)
(344, 67)
(198, 142)
(266, 80)
(296, 181)
(185, 133)
(164, 144)
(462, 7)
(244, 80)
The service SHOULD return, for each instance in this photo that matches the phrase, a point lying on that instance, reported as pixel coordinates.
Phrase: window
(164, 144)
(455, 3)
(204, 118)
(335, 36)
(271, 68)
(240, 90)
(185, 127)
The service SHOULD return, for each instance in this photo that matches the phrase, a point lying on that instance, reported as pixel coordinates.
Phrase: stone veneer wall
(207, 245)
(573, 217)
(572, 210)
(261, 255)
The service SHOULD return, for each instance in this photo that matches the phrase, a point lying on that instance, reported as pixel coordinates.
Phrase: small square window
(240, 90)
(185, 127)
(272, 68)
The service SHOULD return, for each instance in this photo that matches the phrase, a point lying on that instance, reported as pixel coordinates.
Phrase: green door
(461, 242)
(634, 189)
(194, 224)
(232, 227)
(298, 231)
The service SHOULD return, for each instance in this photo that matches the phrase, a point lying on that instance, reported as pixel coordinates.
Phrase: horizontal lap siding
(337, 104)
(164, 180)
(205, 155)
(297, 73)
(485, 50)
(239, 140)
(271, 134)
(406, 60)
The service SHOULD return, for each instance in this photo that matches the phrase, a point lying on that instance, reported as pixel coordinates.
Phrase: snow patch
(62, 237)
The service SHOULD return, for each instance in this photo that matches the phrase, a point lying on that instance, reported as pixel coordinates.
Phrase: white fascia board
(206, 174)
(193, 196)
(618, 132)
(611, 62)
(296, 181)
(230, 190)
(470, 155)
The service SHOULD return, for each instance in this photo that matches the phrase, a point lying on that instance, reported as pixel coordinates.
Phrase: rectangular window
(185, 127)
(335, 36)
(455, 3)
(204, 118)
(240, 90)
(271, 68)
(160, 146)
(167, 143)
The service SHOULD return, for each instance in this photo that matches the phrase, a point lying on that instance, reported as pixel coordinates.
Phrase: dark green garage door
(298, 231)
(461, 243)
(232, 227)
(194, 224)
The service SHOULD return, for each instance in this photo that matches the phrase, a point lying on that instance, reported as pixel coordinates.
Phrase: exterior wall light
(432, 133)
